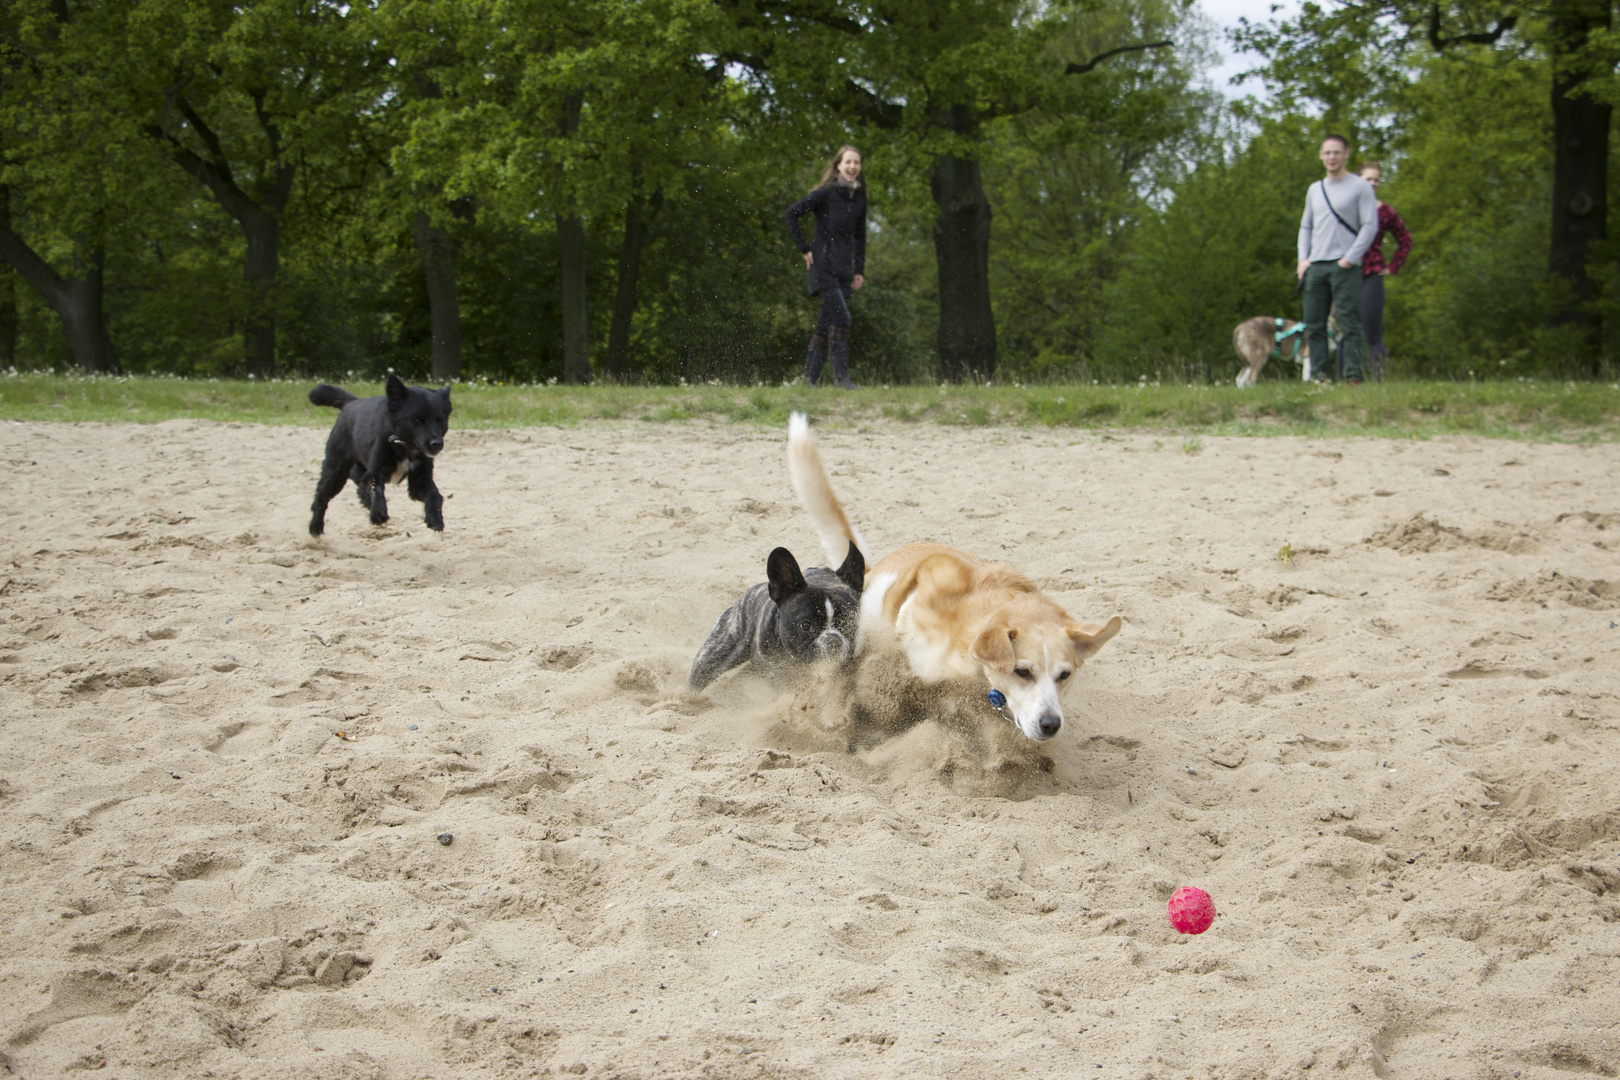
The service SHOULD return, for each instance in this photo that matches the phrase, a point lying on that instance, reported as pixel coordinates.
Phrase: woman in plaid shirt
(1374, 269)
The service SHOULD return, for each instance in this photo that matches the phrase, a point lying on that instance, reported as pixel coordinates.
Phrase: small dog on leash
(791, 618)
(1262, 337)
(956, 618)
(382, 440)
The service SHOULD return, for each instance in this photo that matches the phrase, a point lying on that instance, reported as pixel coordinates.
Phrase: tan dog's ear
(1089, 637)
(994, 649)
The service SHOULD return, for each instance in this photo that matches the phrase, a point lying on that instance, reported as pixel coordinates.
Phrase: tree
(1475, 295)
(8, 290)
(1220, 250)
(581, 114)
(245, 96)
(930, 77)
(423, 40)
(1357, 56)
(494, 108)
(639, 210)
(75, 297)
(1072, 190)
(64, 153)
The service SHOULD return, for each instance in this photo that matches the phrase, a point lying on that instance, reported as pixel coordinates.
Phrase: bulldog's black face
(792, 619)
(817, 610)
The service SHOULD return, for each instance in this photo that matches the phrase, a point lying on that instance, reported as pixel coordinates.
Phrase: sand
(1391, 759)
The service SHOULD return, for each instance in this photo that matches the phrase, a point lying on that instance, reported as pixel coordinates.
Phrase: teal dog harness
(1297, 333)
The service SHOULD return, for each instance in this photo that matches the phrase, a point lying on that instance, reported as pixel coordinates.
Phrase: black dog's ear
(445, 393)
(396, 390)
(853, 572)
(782, 570)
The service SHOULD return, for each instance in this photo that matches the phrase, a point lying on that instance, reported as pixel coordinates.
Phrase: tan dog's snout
(1048, 724)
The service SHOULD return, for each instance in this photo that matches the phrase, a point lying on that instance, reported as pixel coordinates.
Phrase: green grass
(1521, 410)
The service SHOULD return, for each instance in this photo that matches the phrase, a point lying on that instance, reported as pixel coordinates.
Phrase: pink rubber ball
(1191, 910)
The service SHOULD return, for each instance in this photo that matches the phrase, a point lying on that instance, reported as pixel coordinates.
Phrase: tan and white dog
(954, 615)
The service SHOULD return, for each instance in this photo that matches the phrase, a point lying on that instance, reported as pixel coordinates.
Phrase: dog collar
(998, 702)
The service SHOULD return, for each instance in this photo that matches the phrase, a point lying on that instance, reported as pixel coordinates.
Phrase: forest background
(592, 190)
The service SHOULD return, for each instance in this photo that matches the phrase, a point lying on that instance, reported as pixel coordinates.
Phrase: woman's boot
(813, 360)
(838, 341)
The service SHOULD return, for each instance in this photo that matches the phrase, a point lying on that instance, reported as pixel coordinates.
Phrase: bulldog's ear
(1089, 637)
(853, 572)
(994, 649)
(782, 571)
(396, 389)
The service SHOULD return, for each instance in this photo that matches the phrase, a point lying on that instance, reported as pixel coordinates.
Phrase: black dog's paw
(379, 519)
(435, 522)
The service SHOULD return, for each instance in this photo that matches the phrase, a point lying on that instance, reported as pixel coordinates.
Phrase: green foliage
(1070, 189)
(1473, 298)
(1136, 218)
(1221, 251)
(1462, 95)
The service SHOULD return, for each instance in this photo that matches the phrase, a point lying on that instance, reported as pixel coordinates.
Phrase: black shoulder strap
(1335, 213)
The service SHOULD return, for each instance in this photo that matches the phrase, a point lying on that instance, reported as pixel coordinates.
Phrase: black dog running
(381, 440)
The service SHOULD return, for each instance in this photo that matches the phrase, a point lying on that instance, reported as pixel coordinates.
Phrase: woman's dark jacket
(840, 244)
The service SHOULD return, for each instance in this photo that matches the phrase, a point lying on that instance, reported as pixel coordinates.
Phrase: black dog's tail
(334, 396)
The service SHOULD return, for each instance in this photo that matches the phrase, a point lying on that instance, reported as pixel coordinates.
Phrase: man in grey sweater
(1339, 224)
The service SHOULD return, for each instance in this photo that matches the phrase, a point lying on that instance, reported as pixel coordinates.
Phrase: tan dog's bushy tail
(811, 484)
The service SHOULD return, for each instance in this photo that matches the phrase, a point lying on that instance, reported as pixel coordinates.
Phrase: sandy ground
(1392, 761)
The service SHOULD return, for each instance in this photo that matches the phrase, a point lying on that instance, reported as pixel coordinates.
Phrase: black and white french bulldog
(792, 619)
(381, 440)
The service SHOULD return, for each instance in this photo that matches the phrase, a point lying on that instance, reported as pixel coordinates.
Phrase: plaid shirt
(1388, 222)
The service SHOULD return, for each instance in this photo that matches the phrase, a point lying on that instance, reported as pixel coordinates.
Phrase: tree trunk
(444, 307)
(967, 327)
(76, 300)
(1580, 209)
(262, 229)
(637, 212)
(576, 340)
(260, 219)
(259, 215)
(571, 255)
(84, 320)
(8, 290)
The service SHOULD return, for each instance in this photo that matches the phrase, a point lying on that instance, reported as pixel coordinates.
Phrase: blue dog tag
(998, 700)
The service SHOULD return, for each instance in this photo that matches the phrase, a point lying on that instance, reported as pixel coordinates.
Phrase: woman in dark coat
(836, 259)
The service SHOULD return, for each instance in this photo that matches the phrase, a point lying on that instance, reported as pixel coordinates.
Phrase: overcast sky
(1226, 13)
